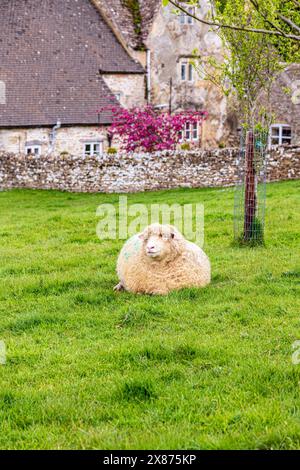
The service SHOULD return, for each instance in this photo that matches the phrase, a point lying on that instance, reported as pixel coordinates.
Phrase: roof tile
(51, 52)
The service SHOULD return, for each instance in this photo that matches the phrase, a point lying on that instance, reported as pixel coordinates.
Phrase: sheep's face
(161, 242)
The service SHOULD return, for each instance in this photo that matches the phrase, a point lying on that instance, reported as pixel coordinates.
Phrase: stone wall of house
(138, 172)
(285, 100)
(172, 43)
(131, 88)
(68, 139)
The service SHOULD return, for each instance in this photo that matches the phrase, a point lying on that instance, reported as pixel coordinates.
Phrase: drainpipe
(171, 97)
(52, 139)
(148, 69)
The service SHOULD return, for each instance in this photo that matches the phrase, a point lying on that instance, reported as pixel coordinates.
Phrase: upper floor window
(280, 134)
(186, 71)
(93, 149)
(186, 19)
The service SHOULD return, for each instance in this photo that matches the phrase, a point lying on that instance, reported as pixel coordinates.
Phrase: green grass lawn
(88, 368)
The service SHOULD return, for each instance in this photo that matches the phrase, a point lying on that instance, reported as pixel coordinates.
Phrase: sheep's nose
(151, 247)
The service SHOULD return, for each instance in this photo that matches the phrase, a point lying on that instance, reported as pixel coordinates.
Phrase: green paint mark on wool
(133, 248)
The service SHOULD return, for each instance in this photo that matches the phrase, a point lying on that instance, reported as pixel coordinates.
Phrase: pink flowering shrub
(145, 129)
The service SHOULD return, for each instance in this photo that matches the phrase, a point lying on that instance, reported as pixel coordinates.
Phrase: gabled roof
(51, 52)
(131, 18)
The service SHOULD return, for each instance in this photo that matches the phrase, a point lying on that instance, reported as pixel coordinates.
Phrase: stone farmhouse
(63, 61)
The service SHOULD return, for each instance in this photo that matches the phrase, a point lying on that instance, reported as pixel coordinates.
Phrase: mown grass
(200, 369)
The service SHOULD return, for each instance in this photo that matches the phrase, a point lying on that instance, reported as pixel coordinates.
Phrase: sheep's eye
(172, 235)
(160, 235)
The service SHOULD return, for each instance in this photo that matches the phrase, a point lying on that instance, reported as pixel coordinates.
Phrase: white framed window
(190, 132)
(33, 149)
(186, 19)
(186, 71)
(93, 149)
(280, 134)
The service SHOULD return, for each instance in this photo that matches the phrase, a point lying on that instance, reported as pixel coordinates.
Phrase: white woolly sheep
(159, 260)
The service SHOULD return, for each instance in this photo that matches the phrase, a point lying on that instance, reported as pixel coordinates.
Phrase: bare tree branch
(296, 3)
(289, 22)
(234, 27)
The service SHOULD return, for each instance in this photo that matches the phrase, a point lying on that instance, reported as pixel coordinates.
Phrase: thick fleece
(160, 260)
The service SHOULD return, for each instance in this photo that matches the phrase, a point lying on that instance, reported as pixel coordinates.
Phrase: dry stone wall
(138, 172)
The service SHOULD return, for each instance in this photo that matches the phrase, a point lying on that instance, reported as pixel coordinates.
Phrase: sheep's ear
(141, 236)
(175, 235)
(169, 232)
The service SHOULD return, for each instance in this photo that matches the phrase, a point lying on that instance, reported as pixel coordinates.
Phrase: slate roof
(121, 17)
(51, 52)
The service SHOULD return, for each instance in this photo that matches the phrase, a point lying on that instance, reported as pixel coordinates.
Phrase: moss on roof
(134, 7)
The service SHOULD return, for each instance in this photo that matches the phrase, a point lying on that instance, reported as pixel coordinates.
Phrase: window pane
(195, 131)
(275, 131)
(182, 18)
(36, 151)
(183, 71)
(190, 72)
(275, 140)
(187, 131)
(192, 12)
(286, 132)
(286, 140)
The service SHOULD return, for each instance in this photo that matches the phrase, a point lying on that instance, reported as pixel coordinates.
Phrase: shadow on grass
(138, 391)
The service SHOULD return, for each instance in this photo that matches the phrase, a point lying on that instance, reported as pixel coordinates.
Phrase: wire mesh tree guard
(250, 191)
